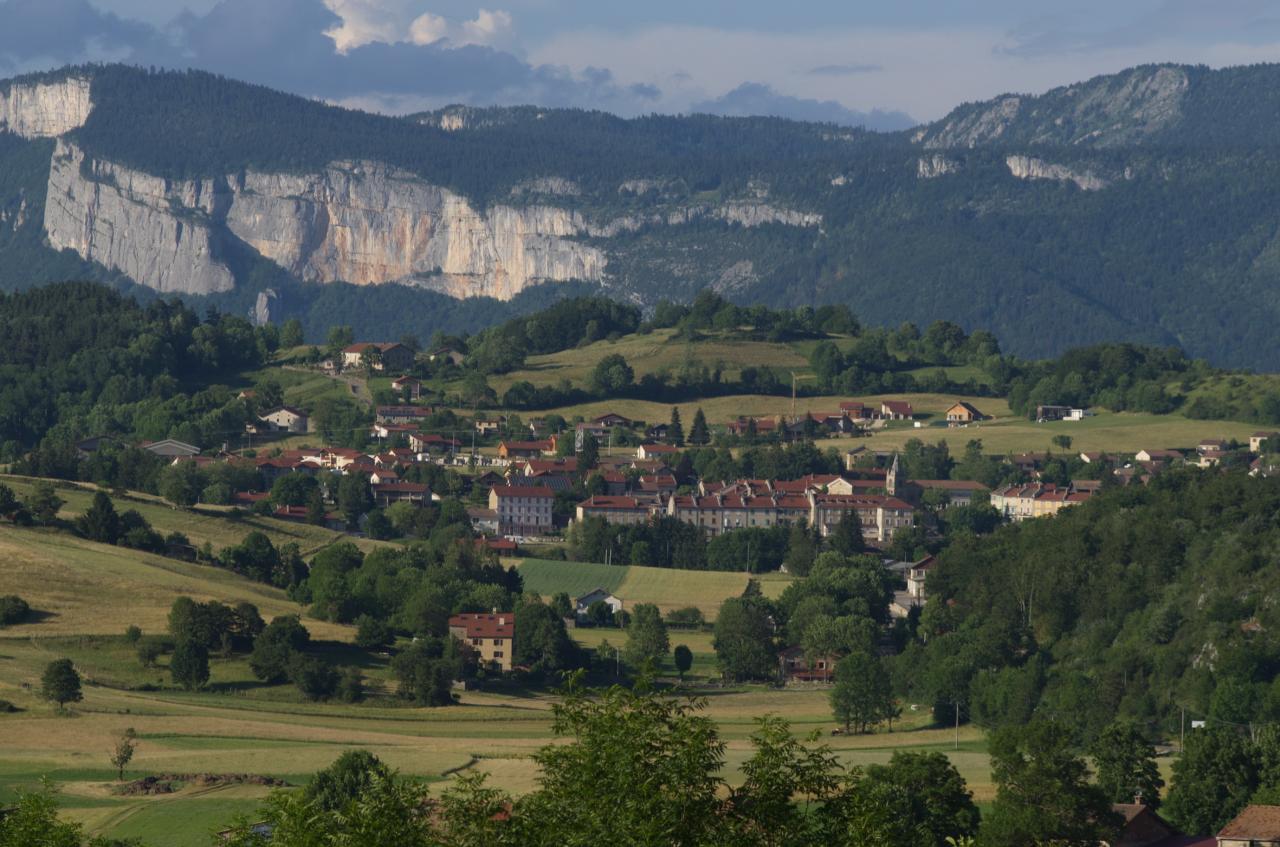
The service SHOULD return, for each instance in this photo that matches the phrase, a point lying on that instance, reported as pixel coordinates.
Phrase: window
(497, 654)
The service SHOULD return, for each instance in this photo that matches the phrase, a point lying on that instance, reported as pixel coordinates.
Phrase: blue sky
(887, 64)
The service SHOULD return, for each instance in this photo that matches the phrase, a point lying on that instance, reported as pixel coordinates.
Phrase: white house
(583, 603)
(286, 419)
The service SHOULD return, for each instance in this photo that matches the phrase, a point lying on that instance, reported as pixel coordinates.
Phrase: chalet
(401, 414)
(285, 419)
(795, 666)
(655, 451)
(384, 494)
(170, 448)
(522, 509)
(610, 420)
(1020, 502)
(1256, 826)
(599, 595)
(389, 355)
(963, 413)
(524, 449)
(446, 354)
(896, 410)
(1259, 440)
(615, 510)
(409, 387)
(488, 637)
(657, 432)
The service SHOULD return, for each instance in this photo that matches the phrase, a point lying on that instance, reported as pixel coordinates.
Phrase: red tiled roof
(404, 487)
(1255, 823)
(898, 407)
(523, 491)
(659, 448)
(481, 625)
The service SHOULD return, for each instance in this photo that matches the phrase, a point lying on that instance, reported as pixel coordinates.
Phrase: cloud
(843, 70)
(754, 98)
(63, 31)
(1172, 21)
(488, 28)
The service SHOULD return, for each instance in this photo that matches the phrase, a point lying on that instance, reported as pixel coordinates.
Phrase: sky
(886, 65)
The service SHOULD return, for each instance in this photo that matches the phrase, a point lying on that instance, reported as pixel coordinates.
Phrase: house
(657, 432)
(420, 442)
(170, 448)
(1256, 826)
(484, 521)
(745, 426)
(409, 387)
(917, 576)
(880, 516)
(86, 447)
(610, 420)
(565, 465)
(655, 451)
(1020, 502)
(488, 637)
(401, 414)
(963, 413)
(856, 410)
(524, 449)
(286, 419)
(896, 410)
(390, 355)
(1211, 445)
(615, 510)
(1045, 414)
(1159, 457)
(795, 666)
(522, 509)
(599, 595)
(1142, 827)
(1260, 439)
(489, 426)
(383, 431)
(448, 354)
(384, 494)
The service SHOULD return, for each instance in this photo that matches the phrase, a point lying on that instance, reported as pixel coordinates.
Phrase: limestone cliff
(1026, 167)
(359, 222)
(44, 109)
(154, 230)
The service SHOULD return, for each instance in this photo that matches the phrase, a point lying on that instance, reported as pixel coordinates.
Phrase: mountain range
(1137, 206)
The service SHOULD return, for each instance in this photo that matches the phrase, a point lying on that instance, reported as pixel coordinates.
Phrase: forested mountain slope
(1131, 207)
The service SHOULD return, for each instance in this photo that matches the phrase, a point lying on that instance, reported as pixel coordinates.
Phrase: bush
(351, 686)
(13, 609)
(315, 678)
(150, 649)
(133, 634)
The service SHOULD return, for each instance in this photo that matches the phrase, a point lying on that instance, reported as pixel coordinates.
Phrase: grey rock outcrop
(932, 167)
(266, 308)
(45, 109)
(151, 229)
(359, 222)
(1026, 167)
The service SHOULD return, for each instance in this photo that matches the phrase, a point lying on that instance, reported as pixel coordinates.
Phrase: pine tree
(100, 522)
(675, 433)
(699, 434)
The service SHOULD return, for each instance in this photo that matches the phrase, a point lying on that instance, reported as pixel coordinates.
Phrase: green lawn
(668, 588)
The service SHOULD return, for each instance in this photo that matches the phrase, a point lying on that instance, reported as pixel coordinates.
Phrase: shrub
(13, 609)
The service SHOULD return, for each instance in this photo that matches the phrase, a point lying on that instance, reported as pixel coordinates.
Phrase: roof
(601, 501)
(293, 410)
(968, 407)
(898, 407)
(523, 491)
(950, 484)
(659, 448)
(482, 625)
(610, 415)
(402, 487)
(1255, 823)
(406, 380)
(382, 346)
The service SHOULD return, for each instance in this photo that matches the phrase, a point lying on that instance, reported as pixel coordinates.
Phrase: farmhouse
(488, 637)
(896, 410)
(407, 386)
(962, 412)
(285, 419)
(655, 451)
(522, 509)
(389, 355)
(610, 420)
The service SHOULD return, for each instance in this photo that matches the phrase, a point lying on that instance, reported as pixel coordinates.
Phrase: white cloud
(407, 21)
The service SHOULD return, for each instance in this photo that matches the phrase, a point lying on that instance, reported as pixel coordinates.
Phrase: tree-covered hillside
(1173, 239)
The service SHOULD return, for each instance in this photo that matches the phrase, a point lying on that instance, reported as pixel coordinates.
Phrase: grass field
(666, 588)
(213, 524)
(85, 594)
(1126, 432)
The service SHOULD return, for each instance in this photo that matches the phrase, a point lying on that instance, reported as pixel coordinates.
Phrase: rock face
(154, 230)
(45, 109)
(1106, 111)
(932, 167)
(1025, 167)
(359, 222)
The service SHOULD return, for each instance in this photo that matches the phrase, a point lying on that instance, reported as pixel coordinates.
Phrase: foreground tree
(744, 640)
(937, 795)
(1043, 792)
(61, 683)
(1212, 780)
(1125, 764)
